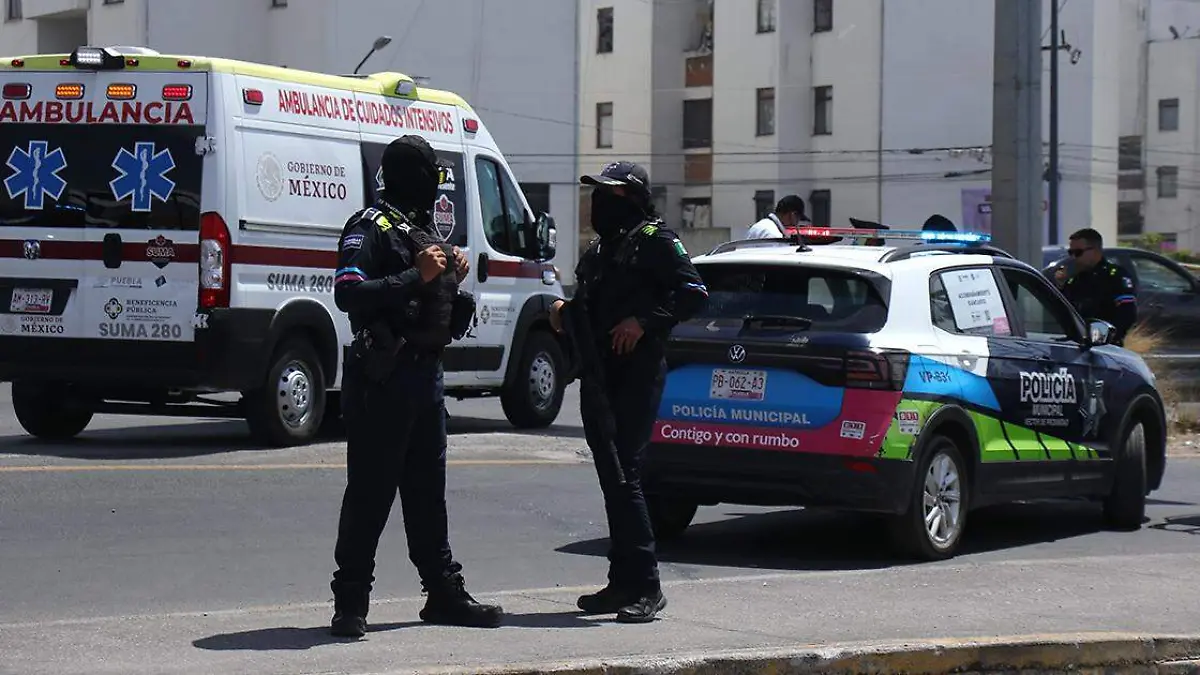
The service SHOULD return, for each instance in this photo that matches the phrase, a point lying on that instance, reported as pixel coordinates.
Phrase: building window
(765, 116)
(1129, 218)
(819, 204)
(1129, 157)
(1168, 114)
(604, 125)
(117, 2)
(766, 16)
(279, 3)
(604, 30)
(822, 111)
(538, 196)
(1168, 182)
(764, 203)
(1131, 181)
(12, 10)
(697, 123)
(822, 16)
(697, 213)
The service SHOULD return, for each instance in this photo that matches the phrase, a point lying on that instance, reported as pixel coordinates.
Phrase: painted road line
(67, 468)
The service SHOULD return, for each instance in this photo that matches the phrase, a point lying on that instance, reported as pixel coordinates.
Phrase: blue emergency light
(918, 235)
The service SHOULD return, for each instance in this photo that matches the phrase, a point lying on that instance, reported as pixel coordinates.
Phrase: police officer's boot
(350, 604)
(450, 604)
(645, 607)
(607, 600)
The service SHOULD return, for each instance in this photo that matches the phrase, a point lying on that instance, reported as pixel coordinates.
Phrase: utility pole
(1053, 196)
(1017, 130)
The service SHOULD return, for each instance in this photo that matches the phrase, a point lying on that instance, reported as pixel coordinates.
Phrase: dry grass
(1181, 421)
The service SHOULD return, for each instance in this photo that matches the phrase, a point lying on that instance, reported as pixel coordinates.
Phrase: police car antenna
(380, 42)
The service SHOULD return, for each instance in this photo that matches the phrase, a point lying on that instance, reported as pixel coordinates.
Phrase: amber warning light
(121, 92)
(69, 92)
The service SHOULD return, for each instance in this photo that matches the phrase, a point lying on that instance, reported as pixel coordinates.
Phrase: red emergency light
(177, 92)
(471, 126)
(17, 91)
(183, 63)
(252, 96)
(18, 63)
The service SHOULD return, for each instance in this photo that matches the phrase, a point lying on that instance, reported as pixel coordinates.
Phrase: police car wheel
(933, 525)
(1125, 506)
(290, 406)
(48, 411)
(534, 395)
(669, 516)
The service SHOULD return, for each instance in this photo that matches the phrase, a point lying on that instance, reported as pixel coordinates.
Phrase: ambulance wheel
(669, 516)
(290, 406)
(532, 399)
(1125, 506)
(932, 527)
(47, 411)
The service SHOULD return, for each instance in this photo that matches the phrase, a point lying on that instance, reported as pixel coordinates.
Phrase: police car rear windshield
(833, 300)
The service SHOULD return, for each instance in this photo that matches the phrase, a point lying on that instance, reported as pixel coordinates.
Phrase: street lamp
(380, 42)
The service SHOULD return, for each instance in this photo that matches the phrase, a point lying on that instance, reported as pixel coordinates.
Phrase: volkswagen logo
(32, 249)
(737, 353)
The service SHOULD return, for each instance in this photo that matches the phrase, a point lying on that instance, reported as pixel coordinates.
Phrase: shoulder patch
(678, 246)
(352, 241)
(649, 229)
(383, 223)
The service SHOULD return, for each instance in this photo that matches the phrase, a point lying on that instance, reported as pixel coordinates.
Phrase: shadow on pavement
(298, 639)
(820, 540)
(1179, 524)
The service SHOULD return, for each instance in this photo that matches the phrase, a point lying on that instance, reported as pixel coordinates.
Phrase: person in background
(938, 223)
(1100, 289)
(789, 213)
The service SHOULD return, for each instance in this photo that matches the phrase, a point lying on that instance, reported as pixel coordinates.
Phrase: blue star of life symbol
(143, 175)
(35, 174)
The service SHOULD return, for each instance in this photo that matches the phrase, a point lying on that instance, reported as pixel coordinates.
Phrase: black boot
(607, 601)
(449, 604)
(644, 608)
(349, 612)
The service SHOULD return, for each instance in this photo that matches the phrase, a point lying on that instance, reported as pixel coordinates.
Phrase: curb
(1030, 655)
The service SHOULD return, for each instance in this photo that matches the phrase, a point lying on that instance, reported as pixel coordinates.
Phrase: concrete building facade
(525, 89)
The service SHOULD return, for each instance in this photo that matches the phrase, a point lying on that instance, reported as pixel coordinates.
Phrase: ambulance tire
(942, 465)
(295, 386)
(46, 411)
(1125, 506)
(534, 395)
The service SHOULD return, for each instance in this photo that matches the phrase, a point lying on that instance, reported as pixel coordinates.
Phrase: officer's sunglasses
(1076, 252)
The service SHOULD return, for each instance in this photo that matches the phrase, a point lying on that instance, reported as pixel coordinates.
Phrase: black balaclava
(614, 215)
(410, 176)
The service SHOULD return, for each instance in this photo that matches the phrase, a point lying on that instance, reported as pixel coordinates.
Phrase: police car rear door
(144, 180)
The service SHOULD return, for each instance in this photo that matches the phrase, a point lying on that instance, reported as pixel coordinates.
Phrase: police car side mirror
(1100, 333)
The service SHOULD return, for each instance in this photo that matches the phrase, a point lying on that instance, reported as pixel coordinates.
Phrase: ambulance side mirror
(545, 238)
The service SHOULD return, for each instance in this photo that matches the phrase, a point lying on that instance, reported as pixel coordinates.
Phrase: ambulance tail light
(214, 262)
(876, 369)
(17, 91)
(177, 92)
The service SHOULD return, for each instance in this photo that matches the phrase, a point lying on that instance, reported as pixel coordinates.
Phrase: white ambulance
(169, 228)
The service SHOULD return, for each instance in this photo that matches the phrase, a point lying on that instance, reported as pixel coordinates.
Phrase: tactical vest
(428, 325)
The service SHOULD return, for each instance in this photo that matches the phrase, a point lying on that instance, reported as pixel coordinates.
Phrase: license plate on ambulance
(738, 385)
(31, 301)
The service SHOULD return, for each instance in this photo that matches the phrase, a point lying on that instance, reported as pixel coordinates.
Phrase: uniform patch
(383, 223)
(1127, 282)
(353, 241)
(679, 247)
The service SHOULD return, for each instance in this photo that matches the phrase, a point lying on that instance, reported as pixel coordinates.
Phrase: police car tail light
(876, 369)
(214, 261)
(17, 91)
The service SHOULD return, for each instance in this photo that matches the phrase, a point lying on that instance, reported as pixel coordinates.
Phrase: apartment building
(520, 78)
(866, 109)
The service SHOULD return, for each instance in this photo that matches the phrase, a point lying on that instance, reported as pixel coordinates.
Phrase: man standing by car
(789, 213)
(398, 280)
(635, 282)
(1100, 289)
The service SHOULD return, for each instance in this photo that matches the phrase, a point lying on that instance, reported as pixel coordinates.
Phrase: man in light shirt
(789, 213)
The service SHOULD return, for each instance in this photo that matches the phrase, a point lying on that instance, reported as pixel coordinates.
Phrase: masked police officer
(636, 282)
(1100, 289)
(398, 281)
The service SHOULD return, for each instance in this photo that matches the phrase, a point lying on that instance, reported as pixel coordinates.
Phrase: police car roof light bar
(913, 235)
(97, 58)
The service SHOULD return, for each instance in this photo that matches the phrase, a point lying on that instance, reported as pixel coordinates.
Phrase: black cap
(790, 204)
(938, 223)
(411, 146)
(620, 174)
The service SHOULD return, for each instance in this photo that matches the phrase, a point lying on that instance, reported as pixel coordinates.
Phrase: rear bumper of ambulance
(707, 475)
(227, 356)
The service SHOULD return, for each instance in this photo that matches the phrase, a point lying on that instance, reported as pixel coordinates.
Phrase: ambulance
(169, 230)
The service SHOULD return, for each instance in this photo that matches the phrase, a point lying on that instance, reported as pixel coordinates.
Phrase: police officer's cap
(621, 174)
(411, 147)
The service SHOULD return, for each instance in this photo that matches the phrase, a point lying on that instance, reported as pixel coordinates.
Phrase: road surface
(168, 546)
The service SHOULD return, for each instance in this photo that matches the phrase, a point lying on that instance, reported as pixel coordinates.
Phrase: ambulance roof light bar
(97, 58)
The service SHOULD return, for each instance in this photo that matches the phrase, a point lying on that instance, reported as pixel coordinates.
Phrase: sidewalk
(1142, 594)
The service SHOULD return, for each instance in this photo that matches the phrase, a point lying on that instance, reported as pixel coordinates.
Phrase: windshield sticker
(143, 175)
(35, 174)
(976, 301)
(443, 216)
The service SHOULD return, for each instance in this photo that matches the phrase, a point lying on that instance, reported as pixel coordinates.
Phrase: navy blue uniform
(1105, 292)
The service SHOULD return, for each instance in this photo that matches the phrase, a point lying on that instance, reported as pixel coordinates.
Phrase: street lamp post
(380, 42)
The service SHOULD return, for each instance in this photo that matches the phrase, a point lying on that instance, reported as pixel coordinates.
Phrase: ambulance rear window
(119, 177)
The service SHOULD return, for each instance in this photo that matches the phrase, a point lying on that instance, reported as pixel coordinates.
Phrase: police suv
(920, 379)
(169, 228)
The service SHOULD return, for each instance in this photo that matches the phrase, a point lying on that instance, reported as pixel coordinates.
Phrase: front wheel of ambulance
(1125, 506)
(932, 527)
(288, 409)
(669, 516)
(534, 395)
(48, 411)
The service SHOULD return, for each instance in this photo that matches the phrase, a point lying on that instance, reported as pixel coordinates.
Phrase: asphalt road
(144, 518)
